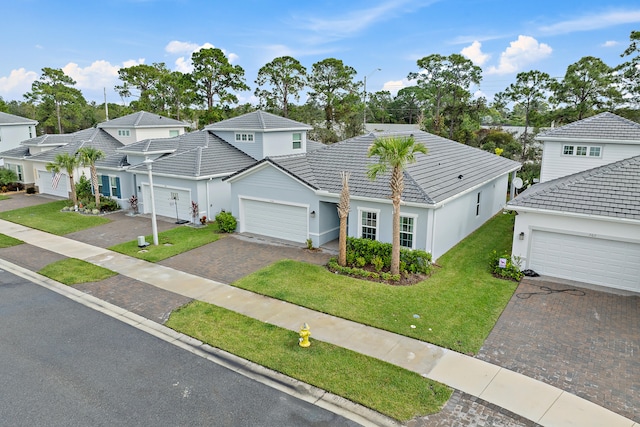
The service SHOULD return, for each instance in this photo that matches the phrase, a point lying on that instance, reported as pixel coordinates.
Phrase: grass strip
(455, 308)
(8, 241)
(170, 243)
(72, 271)
(49, 217)
(386, 388)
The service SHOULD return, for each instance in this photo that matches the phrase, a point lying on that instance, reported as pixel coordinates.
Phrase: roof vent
(459, 176)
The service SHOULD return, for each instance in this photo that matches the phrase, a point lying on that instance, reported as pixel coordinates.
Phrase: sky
(380, 39)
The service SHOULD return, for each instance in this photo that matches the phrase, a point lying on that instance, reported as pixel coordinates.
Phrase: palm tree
(69, 163)
(343, 214)
(88, 156)
(395, 153)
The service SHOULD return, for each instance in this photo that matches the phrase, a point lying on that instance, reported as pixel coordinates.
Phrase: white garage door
(602, 262)
(167, 199)
(277, 220)
(47, 186)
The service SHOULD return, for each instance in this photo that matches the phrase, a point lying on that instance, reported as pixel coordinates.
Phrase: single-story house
(584, 224)
(449, 192)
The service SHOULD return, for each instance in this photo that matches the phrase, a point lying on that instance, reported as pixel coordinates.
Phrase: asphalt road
(63, 364)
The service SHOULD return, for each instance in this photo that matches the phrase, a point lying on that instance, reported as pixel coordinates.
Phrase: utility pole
(364, 120)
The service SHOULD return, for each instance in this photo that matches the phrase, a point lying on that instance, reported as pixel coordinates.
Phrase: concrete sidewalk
(524, 396)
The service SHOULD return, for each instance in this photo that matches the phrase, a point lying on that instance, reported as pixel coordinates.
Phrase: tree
(587, 85)
(630, 70)
(181, 93)
(529, 91)
(343, 214)
(88, 156)
(407, 106)
(68, 163)
(395, 153)
(286, 77)
(215, 77)
(150, 81)
(53, 91)
(331, 82)
(446, 81)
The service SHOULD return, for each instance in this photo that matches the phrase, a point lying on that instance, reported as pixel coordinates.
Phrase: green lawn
(49, 217)
(72, 271)
(7, 241)
(170, 243)
(457, 306)
(3, 197)
(386, 388)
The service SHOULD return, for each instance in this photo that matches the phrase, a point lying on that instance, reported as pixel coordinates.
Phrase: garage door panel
(165, 203)
(45, 184)
(279, 220)
(603, 262)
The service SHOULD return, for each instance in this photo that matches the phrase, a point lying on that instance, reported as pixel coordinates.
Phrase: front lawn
(386, 388)
(170, 243)
(72, 271)
(49, 217)
(455, 308)
(3, 197)
(8, 241)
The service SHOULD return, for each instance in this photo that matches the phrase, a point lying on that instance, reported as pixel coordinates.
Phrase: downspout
(433, 231)
(208, 201)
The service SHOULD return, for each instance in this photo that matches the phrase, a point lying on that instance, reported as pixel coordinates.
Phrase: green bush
(511, 271)
(378, 254)
(226, 222)
(83, 190)
(7, 176)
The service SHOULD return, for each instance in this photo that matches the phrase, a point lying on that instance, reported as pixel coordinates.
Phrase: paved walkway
(525, 396)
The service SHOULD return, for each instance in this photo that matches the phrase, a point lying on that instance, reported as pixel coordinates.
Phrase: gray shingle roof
(142, 119)
(611, 190)
(48, 140)
(432, 179)
(603, 126)
(258, 121)
(201, 154)
(96, 138)
(11, 119)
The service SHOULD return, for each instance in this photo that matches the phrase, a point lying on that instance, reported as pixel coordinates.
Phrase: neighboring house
(13, 130)
(142, 125)
(582, 222)
(191, 167)
(448, 193)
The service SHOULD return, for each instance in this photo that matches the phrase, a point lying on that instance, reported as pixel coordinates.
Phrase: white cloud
(186, 49)
(17, 83)
(593, 22)
(475, 54)
(98, 75)
(610, 43)
(520, 53)
(394, 86)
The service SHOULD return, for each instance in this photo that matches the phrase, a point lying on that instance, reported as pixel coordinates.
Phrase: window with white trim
(369, 225)
(297, 140)
(407, 231)
(173, 133)
(17, 169)
(582, 150)
(124, 132)
(113, 183)
(244, 137)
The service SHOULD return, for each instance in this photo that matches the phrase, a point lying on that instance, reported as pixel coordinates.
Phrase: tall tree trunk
(74, 196)
(397, 185)
(94, 181)
(343, 214)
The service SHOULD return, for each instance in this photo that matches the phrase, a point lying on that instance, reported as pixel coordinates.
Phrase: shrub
(83, 189)
(108, 204)
(31, 190)
(361, 252)
(7, 176)
(133, 203)
(512, 269)
(377, 263)
(226, 222)
(194, 210)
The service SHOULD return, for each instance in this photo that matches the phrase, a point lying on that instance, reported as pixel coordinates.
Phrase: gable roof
(96, 138)
(258, 121)
(448, 169)
(11, 119)
(602, 127)
(611, 190)
(200, 154)
(142, 119)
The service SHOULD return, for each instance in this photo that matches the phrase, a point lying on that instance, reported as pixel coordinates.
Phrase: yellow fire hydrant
(304, 336)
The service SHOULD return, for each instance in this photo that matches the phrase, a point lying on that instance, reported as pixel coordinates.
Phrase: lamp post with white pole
(154, 223)
(364, 120)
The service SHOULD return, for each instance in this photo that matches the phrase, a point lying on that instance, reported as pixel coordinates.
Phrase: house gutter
(590, 140)
(190, 178)
(571, 214)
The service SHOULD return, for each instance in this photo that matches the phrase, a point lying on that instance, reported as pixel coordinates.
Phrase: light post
(154, 223)
(364, 120)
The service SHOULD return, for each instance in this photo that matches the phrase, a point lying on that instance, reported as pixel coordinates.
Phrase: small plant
(31, 190)
(226, 222)
(377, 263)
(194, 210)
(133, 203)
(509, 268)
(203, 220)
(309, 244)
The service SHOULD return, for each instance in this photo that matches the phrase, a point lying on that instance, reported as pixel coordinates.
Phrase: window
(113, 181)
(173, 133)
(369, 225)
(30, 132)
(407, 232)
(124, 132)
(582, 150)
(244, 137)
(17, 169)
(297, 140)
(478, 204)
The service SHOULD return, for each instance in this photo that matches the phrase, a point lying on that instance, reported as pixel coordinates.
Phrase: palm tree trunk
(397, 185)
(343, 214)
(74, 196)
(94, 181)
